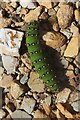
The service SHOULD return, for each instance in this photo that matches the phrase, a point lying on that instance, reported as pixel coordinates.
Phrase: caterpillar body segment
(37, 57)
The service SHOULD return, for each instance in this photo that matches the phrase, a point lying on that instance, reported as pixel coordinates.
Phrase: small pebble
(51, 11)
(25, 59)
(72, 48)
(78, 4)
(77, 15)
(24, 79)
(64, 62)
(28, 104)
(38, 114)
(33, 15)
(74, 29)
(29, 4)
(54, 39)
(1, 70)
(35, 96)
(6, 81)
(16, 90)
(20, 114)
(10, 41)
(48, 100)
(74, 96)
(67, 33)
(45, 3)
(63, 95)
(65, 15)
(10, 63)
(34, 81)
(54, 22)
(30, 93)
(76, 106)
(2, 113)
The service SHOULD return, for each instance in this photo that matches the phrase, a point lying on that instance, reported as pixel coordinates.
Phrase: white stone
(76, 106)
(20, 114)
(63, 95)
(10, 41)
(27, 3)
(10, 63)
(66, 32)
(28, 104)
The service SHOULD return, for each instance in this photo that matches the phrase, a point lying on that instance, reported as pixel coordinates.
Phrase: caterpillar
(37, 57)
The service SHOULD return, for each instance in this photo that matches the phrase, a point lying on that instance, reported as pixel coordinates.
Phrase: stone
(28, 3)
(63, 95)
(13, 4)
(2, 113)
(78, 87)
(73, 82)
(76, 106)
(28, 105)
(43, 16)
(4, 22)
(35, 96)
(75, 96)
(10, 63)
(16, 90)
(78, 4)
(64, 111)
(54, 22)
(70, 74)
(24, 79)
(51, 12)
(46, 108)
(48, 100)
(76, 61)
(67, 33)
(74, 29)
(39, 114)
(72, 48)
(6, 81)
(65, 15)
(33, 14)
(46, 3)
(10, 41)
(77, 15)
(64, 62)
(54, 39)
(20, 114)
(63, 49)
(26, 60)
(35, 83)
(1, 70)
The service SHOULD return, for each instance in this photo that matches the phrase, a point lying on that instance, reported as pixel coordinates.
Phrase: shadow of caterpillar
(38, 59)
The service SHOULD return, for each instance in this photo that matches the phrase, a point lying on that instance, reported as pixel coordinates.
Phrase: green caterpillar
(37, 57)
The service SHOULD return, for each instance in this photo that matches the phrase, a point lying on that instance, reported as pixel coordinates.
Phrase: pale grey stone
(28, 104)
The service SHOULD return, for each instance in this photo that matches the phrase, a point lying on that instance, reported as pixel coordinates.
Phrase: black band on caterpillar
(38, 60)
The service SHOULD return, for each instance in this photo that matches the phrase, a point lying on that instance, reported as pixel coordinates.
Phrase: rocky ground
(23, 94)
